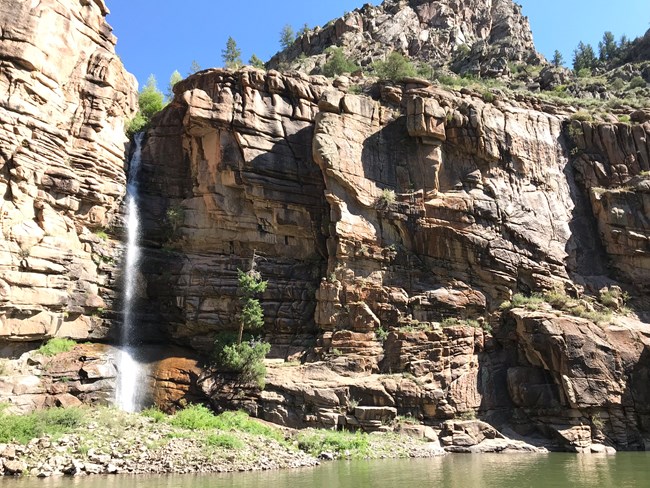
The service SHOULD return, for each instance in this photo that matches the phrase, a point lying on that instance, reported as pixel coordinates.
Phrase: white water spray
(131, 377)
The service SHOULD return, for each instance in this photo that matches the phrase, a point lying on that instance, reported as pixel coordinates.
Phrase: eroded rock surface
(404, 219)
(473, 37)
(64, 99)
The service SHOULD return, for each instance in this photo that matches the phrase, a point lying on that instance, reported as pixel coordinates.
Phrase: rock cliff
(392, 226)
(430, 252)
(64, 99)
(471, 36)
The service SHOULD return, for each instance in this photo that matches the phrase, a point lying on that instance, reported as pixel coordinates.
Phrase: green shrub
(386, 198)
(241, 422)
(618, 84)
(582, 116)
(557, 299)
(488, 96)
(53, 422)
(55, 346)
(245, 359)
(381, 334)
(395, 68)
(316, 442)
(338, 63)
(625, 119)
(637, 82)
(225, 441)
(136, 124)
(195, 417)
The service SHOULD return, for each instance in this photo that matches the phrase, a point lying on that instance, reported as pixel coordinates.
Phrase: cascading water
(131, 374)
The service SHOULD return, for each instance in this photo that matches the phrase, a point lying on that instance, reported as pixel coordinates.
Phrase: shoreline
(111, 442)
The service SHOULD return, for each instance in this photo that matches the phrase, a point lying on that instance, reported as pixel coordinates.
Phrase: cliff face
(472, 36)
(64, 97)
(376, 217)
(392, 225)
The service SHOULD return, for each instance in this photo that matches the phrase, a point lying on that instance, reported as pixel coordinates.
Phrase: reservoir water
(454, 471)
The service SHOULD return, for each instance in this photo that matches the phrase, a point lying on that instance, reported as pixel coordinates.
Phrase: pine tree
(558, 59)
(584, 58)
(287, 36)
(256, 62)
(195, 67)
(231, 55)
(303, 30)
(607, 48)
(173, 79)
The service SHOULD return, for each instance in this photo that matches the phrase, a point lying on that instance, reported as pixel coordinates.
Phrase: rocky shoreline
(108, 441)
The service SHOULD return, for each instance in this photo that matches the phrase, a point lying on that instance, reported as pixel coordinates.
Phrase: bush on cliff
(56, 345)
(395, 68)
(338, 64)
(151, 101)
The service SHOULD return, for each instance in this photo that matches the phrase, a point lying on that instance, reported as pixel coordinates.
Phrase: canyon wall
(64, 99)
(392, 225)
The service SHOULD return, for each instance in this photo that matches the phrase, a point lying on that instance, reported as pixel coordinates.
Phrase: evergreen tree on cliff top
(231, 56)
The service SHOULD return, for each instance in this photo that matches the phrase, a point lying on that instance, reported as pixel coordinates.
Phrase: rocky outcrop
(64, 99)
(85, 374)
(580, 382)
(472, 37)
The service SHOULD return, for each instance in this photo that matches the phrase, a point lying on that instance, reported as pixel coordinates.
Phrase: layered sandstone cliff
(391, 227)
(64, 99)
(391, 224)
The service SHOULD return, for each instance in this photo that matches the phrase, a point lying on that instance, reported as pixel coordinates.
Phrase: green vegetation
(582, 116)
(195, 67)
(287, 36)
(637, 82)
(224, 441)
(173, 79)
(151, 101)
(337, 64)
(584, 58)
(245, 358)
(199, 417)
(338, 443)
(53, 422)
(231, 55)
(558, 300)
(395, 68)
(57, 345)
(386, 198)
(155, 414)
(256, 62)
(558, 59)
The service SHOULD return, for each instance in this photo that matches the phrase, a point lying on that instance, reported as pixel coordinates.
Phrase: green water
(456, 471)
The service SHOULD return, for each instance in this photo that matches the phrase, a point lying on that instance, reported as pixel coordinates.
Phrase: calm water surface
(454, 471)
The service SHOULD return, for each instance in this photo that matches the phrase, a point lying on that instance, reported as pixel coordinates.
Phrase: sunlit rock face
(470, 36)
(64, 99)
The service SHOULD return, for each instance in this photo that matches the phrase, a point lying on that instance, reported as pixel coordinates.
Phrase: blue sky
(158, 37)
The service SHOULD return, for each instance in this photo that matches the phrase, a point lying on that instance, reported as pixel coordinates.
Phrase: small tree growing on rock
(246, 357)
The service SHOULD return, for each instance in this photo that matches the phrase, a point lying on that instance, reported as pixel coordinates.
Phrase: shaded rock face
(474, 37)
(581, 382)
(234, 153)
(64, 97)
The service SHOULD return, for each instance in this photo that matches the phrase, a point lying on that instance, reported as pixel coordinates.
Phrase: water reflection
(457, 471)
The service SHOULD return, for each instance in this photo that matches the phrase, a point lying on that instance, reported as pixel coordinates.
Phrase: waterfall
(131, 376)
